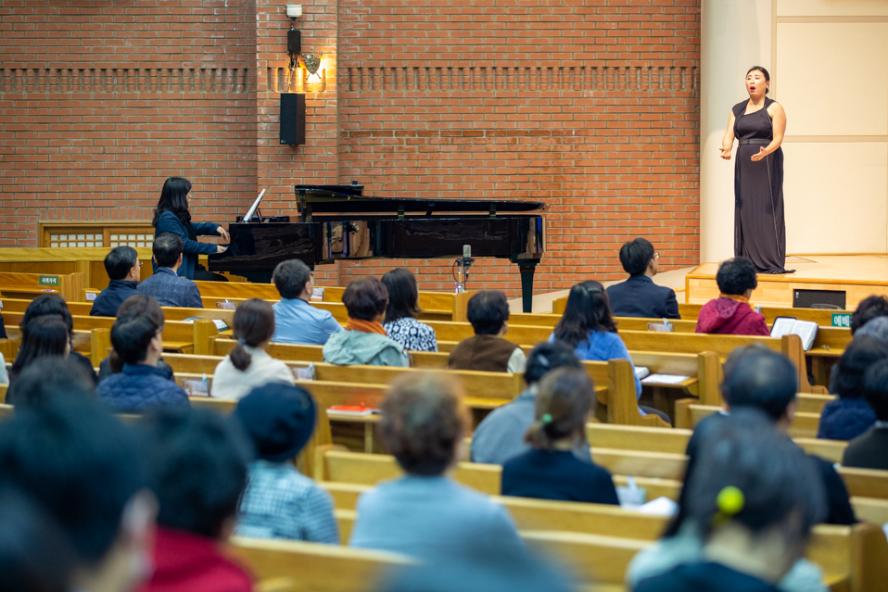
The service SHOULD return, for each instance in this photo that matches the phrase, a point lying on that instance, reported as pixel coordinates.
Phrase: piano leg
(527, 267)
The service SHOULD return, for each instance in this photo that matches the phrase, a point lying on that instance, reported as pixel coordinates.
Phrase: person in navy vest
(172, 215)
(639, 296)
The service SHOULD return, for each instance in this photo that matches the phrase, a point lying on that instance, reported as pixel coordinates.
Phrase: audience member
(730, 313)
(550, 470)
(141, 385)
(46, 336)
(588, 327)
(53, 304)
(870, 451)
(48, 377)
(364, 341)
(84, 468)
(172, 216)
(426, 514)
(165, 285)
(280, 502)
(124, 268)
(248, 365)
(295, 319)
(751, 503)
(764, 380)
(132, 308)
(500, 435)
(488, 312)
(850, 415)
(198, 468)
(34, 554)
(400, 315)
(876, 328)
(639, 296)
(868, 309)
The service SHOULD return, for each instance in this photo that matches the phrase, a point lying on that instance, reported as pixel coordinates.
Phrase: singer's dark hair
(174, 197)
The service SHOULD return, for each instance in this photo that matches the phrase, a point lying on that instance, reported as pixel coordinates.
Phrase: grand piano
(338, 222)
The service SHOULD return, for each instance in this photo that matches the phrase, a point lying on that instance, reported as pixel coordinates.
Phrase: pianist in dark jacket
(172, 215)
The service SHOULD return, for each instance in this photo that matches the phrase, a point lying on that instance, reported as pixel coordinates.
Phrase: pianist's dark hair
(588, 310)
(403, 295)
(173, 197)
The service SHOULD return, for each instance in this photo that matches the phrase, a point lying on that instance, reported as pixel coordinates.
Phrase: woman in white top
(248, 366)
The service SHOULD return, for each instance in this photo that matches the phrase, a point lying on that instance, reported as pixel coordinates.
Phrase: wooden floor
(858, 276)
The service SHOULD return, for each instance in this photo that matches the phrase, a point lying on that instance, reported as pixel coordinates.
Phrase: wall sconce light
(312, 64)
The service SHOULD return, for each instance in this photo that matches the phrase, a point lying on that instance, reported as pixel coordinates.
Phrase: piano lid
(345, 199)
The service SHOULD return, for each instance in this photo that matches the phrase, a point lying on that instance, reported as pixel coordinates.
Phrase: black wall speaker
(292, 119)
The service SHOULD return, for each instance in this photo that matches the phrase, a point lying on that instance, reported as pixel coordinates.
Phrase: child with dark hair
(53, 304)
(730, 313)
(850, 415)
(364, 340)
(249, 365)
(400, 315)
(588, 326)
(488, 312)
(425, 513)
(46, 336)
(550, 470)
(500, 435)
(753, 502)
(280, 502)
(142, 384)
(870, 451)
(124, 271)
(198, 467)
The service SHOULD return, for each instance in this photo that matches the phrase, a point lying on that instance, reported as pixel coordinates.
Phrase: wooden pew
(30, 285)
(688, 415)
(294, 566)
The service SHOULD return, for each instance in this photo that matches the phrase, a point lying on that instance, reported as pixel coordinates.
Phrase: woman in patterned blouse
(400, 315)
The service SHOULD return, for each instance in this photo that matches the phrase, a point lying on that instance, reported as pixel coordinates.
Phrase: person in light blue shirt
(425, 514)
(295, 320)
(588, 327)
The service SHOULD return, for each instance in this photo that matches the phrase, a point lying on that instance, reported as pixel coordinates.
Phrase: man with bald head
(762, 379)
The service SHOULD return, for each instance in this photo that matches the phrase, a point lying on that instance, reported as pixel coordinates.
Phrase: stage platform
(858, 276)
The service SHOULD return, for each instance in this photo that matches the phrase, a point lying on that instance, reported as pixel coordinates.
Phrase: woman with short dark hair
(248, 365)
(730, 313)
(173, 215)
(400, 315)
(425, 513)
(45, 336)
(364, 340)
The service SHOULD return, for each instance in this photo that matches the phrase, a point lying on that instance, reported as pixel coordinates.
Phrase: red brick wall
(591, 108)
(100, 101)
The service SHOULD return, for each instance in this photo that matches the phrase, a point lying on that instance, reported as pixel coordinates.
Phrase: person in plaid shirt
(280, 502)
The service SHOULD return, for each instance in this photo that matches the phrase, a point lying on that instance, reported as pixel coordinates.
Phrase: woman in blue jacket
(172, 215)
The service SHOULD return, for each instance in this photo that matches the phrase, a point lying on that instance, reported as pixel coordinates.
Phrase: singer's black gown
(759, 227)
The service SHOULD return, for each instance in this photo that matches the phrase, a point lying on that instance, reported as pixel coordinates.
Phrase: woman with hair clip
(550, 469)
(248, 365)
(172, 215)
(45, 336)
(588, 327)
(745, 522)
(400, 314)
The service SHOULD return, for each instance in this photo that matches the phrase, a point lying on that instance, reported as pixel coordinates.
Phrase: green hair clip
(730, 501)
(546, 418)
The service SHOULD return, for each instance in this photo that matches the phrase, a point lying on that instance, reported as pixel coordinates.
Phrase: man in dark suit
(639, 296)
(870, 451)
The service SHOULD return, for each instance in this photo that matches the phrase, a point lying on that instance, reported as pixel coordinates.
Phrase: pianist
(295, 320)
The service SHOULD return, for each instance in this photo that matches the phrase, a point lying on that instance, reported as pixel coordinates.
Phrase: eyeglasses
(656, 254)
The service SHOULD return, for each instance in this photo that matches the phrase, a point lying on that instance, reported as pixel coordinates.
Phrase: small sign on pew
(841, 319)
(48, 280)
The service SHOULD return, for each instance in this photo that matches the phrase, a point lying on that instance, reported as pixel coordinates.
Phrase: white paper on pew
(90, 296)
(662, 506)
(665, 379)
(641, 372)
(220, 324)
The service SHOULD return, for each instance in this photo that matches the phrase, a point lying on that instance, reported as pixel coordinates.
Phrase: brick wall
(100, 101)
(590, 107)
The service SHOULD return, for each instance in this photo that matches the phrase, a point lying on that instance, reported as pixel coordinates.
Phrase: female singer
(172, 215)
(759, 123)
